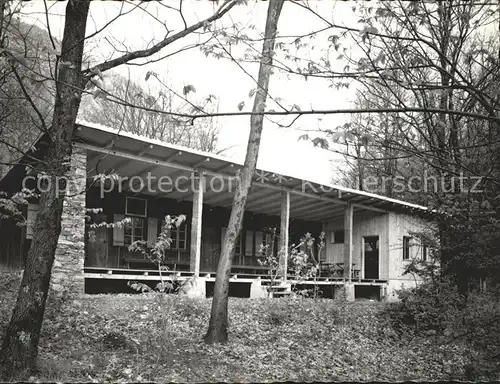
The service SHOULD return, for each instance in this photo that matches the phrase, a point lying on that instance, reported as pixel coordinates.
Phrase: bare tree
(217, 329)
(443, 66)
(21, 86)
(20, 345)
(201, 134)
(436, 59)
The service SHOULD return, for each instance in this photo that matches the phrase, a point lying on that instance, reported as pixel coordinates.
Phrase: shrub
(431, 306)
(436, 308)
(480, 327)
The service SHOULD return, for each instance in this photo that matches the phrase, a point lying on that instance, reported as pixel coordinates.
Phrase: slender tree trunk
(19, 348)
(20, 345)
(217, 329)
(3, 6)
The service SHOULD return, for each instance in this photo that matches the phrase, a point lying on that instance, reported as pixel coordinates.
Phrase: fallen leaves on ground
(154, 337)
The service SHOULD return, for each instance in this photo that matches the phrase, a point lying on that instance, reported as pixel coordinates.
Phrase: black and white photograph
(249, 191)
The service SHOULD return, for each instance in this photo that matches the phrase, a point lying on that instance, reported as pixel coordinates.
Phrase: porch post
(348, 217)
(283, 243)
(196, 221)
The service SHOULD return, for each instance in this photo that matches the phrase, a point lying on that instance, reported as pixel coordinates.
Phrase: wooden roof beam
(209, 172)
(204, 161)
(145, 149)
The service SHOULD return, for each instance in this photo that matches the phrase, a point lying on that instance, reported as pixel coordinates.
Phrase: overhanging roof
(132, 155)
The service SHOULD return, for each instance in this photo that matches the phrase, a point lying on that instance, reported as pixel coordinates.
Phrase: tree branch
(225, 8)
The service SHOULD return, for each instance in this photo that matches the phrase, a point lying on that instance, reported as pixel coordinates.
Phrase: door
(371, 257)
(210, 249)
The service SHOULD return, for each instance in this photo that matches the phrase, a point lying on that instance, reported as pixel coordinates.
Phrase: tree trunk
(3, 6)
(217, 329)
(20, 345)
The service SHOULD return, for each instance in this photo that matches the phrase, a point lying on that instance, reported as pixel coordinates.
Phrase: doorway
(371, 257)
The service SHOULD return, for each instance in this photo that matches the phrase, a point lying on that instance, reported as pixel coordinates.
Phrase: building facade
(368, 239)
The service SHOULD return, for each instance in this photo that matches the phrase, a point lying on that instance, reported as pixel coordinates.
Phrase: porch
(244, 276)
(155, 179)
(245, 284)
(202, 187)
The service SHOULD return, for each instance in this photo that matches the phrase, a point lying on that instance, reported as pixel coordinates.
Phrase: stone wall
(67, 272)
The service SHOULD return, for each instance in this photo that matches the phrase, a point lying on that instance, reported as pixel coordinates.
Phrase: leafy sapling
(157, 252)
(269, 259)
(304, 263)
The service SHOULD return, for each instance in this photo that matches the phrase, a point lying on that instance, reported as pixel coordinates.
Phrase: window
(134, 230)
(424, 252)
(179, 237)
(406, 247)
(136, 207)
(337, 237)
(269, 240)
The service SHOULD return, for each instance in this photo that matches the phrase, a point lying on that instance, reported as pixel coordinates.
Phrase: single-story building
(368, 238)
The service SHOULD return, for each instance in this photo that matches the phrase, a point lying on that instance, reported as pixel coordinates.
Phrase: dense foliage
(437, 310)
(446, 155)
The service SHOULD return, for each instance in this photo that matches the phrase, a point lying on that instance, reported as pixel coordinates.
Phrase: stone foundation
(67, 272)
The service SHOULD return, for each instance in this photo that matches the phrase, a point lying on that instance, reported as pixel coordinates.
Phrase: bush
(480, 327)
(436, 308)
(432, 306)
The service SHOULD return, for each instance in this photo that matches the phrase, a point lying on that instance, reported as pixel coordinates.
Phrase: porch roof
(132, 155)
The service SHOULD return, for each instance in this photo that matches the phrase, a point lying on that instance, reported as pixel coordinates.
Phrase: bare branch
(226, 7)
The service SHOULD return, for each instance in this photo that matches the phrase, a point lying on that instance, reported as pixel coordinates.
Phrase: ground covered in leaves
(154, 337)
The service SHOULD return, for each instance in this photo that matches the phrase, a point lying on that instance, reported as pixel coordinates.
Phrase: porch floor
(154, 275)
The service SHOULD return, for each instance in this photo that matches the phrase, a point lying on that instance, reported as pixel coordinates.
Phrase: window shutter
(152, 231)
(249, 243)
(118, 231)
(30, 219)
